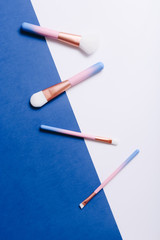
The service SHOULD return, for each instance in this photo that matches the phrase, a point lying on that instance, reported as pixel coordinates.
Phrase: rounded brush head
(38, 99)
(89, 43)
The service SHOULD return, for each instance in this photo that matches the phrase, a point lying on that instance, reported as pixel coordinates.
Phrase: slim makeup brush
(109, 178)
(42, 97)
(78, 134)
(87, 43)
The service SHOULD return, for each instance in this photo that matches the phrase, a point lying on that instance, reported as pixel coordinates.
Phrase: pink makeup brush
(87, 43)
(78, 134)
(42, 97)
(109, 178)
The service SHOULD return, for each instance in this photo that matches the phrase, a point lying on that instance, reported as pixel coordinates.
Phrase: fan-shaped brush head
(89, 43)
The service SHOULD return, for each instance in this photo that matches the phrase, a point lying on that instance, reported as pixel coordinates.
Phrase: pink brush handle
(40, 30)
(78, 134)
(67, 132)
(86, 73)
(117, 171)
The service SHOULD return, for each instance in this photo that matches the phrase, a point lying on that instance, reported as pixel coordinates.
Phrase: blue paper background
(43, 177)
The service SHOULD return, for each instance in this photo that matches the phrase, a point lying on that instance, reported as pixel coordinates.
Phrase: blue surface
(43, 177)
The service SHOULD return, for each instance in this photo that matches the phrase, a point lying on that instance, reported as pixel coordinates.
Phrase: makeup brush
(78, 134)
(87, 43)
(109, 178)
(42, 97)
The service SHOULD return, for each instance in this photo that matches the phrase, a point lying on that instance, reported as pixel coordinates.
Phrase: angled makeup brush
(42, 97)
(87, 43)
(78, 134)
(109, 178)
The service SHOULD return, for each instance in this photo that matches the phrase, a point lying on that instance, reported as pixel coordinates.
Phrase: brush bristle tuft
(38, 99)
(81, 205)
(89, 44)
(114, 142)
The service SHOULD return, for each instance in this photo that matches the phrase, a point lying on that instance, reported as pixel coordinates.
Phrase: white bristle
(114, 142)
(38, 99)
(81, 205)
(89, 43)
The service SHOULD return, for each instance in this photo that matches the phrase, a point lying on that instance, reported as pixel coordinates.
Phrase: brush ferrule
(71, 39)
(104, 140)
(88, 199)
(55, 90)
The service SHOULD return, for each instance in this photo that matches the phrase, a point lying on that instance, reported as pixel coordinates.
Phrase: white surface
(122, 101)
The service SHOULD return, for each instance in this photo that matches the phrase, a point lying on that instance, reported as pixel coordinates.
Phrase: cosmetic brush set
(87, 44)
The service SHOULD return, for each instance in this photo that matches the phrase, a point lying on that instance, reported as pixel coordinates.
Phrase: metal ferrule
(71, 39)
(88, 199)
(105, 140)
(55, 90)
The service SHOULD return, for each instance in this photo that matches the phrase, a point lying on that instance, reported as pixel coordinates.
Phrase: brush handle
(67, 132)
(117, 170)
(86, 74)
(109, 178)
(31, 28)
(77, 134)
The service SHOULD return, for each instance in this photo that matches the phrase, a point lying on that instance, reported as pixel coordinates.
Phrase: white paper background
(121, 102)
